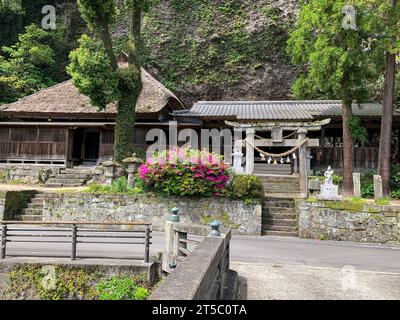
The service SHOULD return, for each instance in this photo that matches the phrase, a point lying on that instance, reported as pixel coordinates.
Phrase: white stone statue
(329, 191)
(328, 176)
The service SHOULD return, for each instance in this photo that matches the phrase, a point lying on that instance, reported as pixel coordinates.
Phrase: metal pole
(3, 241)
(74, 237)
(147, 245)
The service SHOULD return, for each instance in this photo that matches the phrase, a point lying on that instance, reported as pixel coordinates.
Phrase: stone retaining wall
(27, 173)
(26, 269)
(340, 220)
(242, 218)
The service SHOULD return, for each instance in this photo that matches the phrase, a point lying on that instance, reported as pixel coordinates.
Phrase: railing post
(3, 241)
(74, 238)
(147, 245)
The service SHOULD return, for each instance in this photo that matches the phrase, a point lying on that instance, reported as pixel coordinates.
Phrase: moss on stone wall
(37, 282)
(15, 202)
(208, 47)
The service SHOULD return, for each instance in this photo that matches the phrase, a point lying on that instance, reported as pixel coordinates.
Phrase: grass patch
(383, 201)
(223, 217)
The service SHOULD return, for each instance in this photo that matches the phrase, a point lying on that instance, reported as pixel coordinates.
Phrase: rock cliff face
(220, 49)
(201, 49)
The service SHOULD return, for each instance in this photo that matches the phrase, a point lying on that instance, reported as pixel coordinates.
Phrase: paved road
(271, 250)
(279, 267)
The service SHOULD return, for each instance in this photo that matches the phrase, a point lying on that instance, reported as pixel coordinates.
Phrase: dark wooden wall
(33, 144)
(107, 141)
(365, 158)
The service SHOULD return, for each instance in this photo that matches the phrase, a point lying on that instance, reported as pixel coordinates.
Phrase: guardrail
(202, 274)
(73, 234)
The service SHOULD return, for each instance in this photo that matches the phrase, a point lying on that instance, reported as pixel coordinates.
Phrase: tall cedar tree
(94, 69)
(334, 62)
(384, 29)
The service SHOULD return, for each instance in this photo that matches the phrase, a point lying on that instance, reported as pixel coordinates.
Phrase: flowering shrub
(185, 172)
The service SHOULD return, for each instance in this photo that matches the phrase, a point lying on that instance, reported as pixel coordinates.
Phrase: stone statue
(329, 191)
(328, 176)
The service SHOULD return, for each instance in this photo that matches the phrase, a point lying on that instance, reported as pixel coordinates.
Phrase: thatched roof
(64, 99)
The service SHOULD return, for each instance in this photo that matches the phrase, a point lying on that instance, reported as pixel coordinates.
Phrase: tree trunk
(125, 128)
(130, 85)
(386, 124)
(348, 150)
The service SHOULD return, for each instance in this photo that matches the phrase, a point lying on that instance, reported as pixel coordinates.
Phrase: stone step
(278, 209)
(32, 211)
(72, 185)
(280, 195)
(67, 181)
(268, 215)
(27, 217)
(53, 185)
(72, 176)
(35, 205)
(79, 170)
(278, 228)
(280, 222)
(272, 177)
(37, 200)
(280, 233)
(276, 202)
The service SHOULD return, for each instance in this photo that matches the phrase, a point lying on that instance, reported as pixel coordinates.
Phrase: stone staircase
(34, 210)
(280, 186)
(75, 177)
(279, 217)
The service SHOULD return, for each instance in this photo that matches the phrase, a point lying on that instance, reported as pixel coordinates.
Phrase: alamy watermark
(50, 18)
(349, 19)
(219, 142)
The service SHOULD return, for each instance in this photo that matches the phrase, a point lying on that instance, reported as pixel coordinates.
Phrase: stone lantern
(133, 164)
(110, 170)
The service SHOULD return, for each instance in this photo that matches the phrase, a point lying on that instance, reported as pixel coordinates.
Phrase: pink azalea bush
(185, 172)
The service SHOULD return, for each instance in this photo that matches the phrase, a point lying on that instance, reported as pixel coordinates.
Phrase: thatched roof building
(64, 101)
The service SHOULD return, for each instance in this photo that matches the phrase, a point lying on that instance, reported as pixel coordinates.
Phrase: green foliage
(337, 179)
(247, 188)
(334, 61)
(120, 186)
(185, 172)
(223, 217)
(27, 66)
(121, 288)
(357, 130)
(74, 284)
(223, 46)
(383, 201)
(353, 204)
(90, 9)
(15, 202)
(92, 74)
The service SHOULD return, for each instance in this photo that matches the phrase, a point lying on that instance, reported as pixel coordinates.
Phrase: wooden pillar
(250, 151)
(302, 134)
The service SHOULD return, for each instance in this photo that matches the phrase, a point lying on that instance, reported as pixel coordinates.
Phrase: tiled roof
(277, 110)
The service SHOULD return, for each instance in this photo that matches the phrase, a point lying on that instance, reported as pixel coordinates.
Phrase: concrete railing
(204, 273)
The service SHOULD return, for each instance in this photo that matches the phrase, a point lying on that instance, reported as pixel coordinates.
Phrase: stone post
(250, 151)
(378, 190)
(357, 184)
(302, 134)
(133, 163)
(110, 171)
(215, 229)
(171, 242)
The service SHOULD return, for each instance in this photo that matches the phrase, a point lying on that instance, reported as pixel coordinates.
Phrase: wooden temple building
(59, 126)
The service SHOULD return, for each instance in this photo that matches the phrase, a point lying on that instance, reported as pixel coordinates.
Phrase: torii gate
(277, 140)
